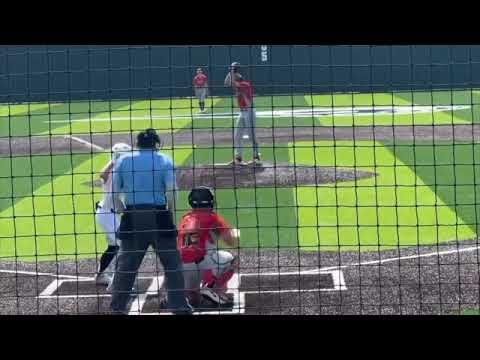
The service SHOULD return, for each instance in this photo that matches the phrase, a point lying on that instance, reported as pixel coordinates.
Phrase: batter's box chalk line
(234, 284)
(239, 307)
(156, 283)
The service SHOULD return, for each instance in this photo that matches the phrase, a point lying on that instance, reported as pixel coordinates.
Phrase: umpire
(145, 179)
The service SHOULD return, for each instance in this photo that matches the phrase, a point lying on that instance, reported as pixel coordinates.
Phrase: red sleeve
(189, 254)
(245, 88)
(221, 225)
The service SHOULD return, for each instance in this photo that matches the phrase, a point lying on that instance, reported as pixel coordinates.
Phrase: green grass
(176, 114)
(454, 178)
(57, 220)
(396, 208)
(264, 104)
(266, 216)
(457, 97)
(470, 312)
(396, 99)
(423, 194)
(399, 207)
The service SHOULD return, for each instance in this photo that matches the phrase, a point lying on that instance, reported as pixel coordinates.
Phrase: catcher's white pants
(218, 261)
(109, 221)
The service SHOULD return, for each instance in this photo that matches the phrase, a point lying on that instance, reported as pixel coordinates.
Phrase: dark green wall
(40, 73)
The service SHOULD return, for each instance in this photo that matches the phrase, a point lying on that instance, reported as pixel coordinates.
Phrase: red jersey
(244, 90)
(200, 80)
(194, 233)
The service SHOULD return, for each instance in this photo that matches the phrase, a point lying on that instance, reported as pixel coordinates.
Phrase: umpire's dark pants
(141, 226)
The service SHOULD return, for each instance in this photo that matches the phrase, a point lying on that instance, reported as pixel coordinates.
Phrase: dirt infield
(264, 175)
(426, 280)
(57, 144)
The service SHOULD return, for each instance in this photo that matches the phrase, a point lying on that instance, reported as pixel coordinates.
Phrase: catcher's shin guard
(222, 282)
(208, 279)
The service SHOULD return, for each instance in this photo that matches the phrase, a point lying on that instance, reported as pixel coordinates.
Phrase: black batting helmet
(148, 139)
(201, 197)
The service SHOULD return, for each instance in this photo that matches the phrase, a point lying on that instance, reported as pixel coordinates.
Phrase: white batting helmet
(119, 149)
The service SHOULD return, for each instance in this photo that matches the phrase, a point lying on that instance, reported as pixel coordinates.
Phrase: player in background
(108, 216)
(246, 120)
(200, 85)
(207, 270)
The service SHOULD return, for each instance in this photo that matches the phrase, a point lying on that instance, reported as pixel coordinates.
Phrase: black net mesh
(361, 196)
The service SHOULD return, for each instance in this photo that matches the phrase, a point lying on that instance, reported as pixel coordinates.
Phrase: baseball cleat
(227, 297)
(188, 310)
(213, 296)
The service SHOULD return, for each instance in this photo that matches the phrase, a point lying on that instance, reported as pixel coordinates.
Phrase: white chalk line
(329, 269)
(51, 288)
(84, 142)
(238, 298)
(314, 271)
(393, 259)
(138, 303)
(55, 284)
(339, 281)
(337, 111)
(35, 273)
(337, 278)
(128, 118)
(289, 291)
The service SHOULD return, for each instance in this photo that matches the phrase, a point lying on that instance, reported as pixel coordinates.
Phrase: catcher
(206, 269)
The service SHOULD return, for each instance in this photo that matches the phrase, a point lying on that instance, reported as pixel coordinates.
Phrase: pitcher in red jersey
(207, 270)
(245, 125)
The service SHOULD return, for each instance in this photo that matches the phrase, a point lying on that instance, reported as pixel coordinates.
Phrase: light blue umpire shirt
(143, 177)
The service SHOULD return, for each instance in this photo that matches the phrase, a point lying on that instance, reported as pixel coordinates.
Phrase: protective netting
(361, 198)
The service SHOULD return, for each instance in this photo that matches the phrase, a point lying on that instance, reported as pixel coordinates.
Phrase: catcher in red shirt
(207, 270)
(200, 85)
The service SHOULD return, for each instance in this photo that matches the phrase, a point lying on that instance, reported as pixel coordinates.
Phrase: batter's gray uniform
(245, 126)
(201, 93)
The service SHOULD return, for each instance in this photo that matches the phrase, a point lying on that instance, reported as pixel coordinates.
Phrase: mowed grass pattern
(395, 208)
(57, 220)
(422, 194)
(399, 99)
(176, 114)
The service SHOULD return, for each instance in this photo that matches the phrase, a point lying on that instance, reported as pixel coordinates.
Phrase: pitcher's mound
(227, 176)
(263, 175)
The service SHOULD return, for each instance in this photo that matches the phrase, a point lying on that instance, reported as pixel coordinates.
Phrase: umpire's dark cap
(148, 139)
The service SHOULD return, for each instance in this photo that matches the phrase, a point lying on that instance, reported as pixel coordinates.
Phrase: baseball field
(392, 173)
